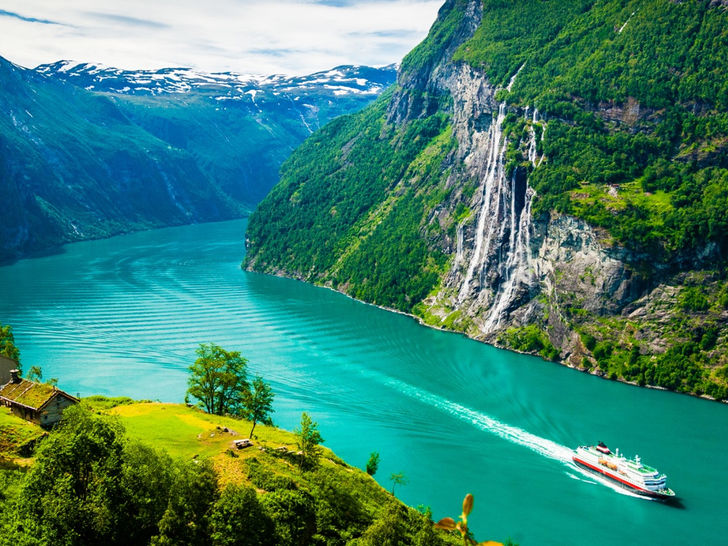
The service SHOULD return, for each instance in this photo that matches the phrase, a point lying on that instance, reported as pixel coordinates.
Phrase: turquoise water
(123, 317)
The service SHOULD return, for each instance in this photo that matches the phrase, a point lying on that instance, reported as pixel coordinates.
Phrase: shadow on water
(38, 253)
(673, 503)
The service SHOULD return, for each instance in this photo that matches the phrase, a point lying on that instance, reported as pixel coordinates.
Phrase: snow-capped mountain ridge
(342, 80)
(110, 151)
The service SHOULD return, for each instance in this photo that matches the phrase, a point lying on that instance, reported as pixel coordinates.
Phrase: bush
(709, 339)
(293, 514)
(238, 519)
(262, 478)
(602, 351)
(693, 299)
(589, 341)
(530, 339)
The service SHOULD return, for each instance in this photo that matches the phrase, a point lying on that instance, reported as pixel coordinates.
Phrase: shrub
(693, 299)
(238, 519)
(293, 514)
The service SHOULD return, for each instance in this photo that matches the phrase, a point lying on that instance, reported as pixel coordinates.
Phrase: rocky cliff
(524, 185)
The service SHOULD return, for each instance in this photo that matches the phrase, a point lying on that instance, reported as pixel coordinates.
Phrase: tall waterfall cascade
(493, 269)
(490, 195)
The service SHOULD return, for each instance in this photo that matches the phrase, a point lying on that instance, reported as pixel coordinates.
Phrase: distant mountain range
(342, 81)
(89, 151)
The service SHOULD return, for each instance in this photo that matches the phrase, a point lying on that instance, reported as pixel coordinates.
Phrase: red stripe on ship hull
(612, 476)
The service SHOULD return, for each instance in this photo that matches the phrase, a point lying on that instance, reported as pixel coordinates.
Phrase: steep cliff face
(556, 215)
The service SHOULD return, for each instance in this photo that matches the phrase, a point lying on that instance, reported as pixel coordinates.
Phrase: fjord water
(123, 316)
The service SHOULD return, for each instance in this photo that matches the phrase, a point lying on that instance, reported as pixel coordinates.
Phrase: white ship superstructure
(629, 473)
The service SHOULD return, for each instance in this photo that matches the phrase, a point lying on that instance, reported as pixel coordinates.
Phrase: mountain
(547, 178)
(89, 151)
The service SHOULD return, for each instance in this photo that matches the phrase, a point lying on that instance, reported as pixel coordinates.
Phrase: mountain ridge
(110, 162)
(556, 218)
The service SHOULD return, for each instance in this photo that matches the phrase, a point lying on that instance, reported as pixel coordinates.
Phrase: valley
(89, 151)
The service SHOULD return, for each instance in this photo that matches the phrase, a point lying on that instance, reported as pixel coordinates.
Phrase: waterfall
(500, 266)
(532, 141)
(459, 238)
(513, 78)
(518, 267)
(494, 267)
(625, 23)
(494, 172)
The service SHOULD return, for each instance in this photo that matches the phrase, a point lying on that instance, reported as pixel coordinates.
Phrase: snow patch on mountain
(339, 81)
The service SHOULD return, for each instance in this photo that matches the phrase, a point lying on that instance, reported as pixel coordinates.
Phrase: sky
(244, 36)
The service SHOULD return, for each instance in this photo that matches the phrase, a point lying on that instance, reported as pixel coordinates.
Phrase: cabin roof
(31, 394)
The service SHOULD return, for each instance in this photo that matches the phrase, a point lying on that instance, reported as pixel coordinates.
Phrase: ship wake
(516, 435)
(542, 446)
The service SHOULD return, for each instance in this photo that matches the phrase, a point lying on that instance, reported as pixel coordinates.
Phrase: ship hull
(626, 484)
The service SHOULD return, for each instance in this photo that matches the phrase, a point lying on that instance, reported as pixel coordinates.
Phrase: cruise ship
(631, 474)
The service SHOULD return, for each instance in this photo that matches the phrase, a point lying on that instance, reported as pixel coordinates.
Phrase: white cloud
(247, 36)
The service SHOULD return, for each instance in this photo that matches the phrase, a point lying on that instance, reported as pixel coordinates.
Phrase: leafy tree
(259, 403)
(398, 478)
(34, 374)
(373, 463)
(73, 493)
(293, 515)
(238, 519)
(147, 479)
(308, 439)
(388, 530)
(7, 344)
(218, 379)
(186, 518)
(340, 513)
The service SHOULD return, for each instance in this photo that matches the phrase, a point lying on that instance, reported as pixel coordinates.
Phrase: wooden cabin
(6, 366)
(37, 402)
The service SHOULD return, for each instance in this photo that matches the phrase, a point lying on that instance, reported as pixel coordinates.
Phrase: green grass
(187, 431)
(15, 434)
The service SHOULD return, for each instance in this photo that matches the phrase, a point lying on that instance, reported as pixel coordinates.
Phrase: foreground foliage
(461, 526)
(93, 482)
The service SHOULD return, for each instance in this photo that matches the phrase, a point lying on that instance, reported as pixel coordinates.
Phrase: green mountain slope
(640, 97)
(73, 167)
(87, 152)
(328, 219)
(547, 177)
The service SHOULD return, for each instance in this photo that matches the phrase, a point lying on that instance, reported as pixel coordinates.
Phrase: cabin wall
(26, 413)
(54, 409)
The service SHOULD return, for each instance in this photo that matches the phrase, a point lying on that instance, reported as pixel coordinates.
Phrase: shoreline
(421, 322)
(59, 247)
